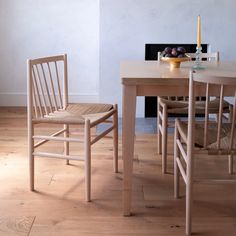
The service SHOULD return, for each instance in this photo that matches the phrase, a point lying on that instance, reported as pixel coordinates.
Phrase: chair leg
(159, 136)
(231, 157)
(164, 140)
(30, 153)
(230, 113)
(66, 144)
(231, 164)
(115, 139)
(87, 147)
(176, 168)
(188, 208)
(189, 196)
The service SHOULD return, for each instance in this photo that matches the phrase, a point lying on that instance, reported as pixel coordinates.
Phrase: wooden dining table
(155, 78)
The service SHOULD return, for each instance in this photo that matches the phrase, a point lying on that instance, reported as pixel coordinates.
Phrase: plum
(174, 52)
(167, 50)
(181, 50)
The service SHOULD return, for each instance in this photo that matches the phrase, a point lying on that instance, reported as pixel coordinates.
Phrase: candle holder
(198, 62)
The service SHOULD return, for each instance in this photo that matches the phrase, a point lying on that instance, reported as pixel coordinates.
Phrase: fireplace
(151, 51)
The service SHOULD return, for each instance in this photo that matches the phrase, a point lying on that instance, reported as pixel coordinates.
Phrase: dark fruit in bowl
(167, 50)
(178, 52)
(174, 52)
(181, 50)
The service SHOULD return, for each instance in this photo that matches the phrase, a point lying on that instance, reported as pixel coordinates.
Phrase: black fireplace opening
(151, 51)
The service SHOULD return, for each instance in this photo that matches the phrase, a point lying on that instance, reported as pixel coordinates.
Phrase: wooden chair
(209, 56)
(209, 136)
(48, 104)
(179, 105)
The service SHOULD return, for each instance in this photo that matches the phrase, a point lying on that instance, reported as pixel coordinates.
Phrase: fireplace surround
(151, 51)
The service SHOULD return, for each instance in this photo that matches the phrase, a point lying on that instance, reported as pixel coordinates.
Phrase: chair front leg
(87, 148)
(159, 123)
(30, 154)
(164, 140)
(176, 168)
(189, 194)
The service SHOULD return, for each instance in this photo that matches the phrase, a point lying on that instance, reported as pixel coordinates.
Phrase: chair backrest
(219, 134)
(47, 85)
(209, 56)
(159, 56)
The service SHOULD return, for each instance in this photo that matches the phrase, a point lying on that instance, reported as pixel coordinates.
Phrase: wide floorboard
(57, 207)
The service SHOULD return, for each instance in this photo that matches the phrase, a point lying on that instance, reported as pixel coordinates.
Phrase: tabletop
(156, 72)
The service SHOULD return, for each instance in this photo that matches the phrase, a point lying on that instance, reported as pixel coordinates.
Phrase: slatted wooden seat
(212, 136)
(208, 137)
(179, 105)
(76, 114)
(48, 102)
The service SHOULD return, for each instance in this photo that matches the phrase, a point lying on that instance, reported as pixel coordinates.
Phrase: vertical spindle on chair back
(208, 56)
(47, 85)
(224, 128)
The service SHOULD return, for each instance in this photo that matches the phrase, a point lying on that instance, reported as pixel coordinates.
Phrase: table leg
(128, 132)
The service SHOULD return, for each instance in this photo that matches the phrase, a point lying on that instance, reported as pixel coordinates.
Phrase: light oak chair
(208, 137)
(48, 103)
(179, 105)
(209, 56)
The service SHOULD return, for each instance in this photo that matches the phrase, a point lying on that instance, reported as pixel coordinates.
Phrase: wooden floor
(58, 206)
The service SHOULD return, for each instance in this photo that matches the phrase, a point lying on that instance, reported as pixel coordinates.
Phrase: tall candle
(199, 31)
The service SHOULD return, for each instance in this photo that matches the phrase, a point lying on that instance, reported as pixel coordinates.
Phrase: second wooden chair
(179, 105)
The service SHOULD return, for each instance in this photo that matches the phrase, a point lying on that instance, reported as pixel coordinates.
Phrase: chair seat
(176, 107)
(76, 114)
(212, 136)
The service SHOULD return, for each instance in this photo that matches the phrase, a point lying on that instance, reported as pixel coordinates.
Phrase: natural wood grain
(46, 78)
(16, 225)
(213, 138)
(152, 78)
(58, 207)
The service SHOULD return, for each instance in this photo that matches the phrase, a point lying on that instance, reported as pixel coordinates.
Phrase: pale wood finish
(193, 135)
(209, 56)
(48, 103)
(58, 207)
(179, 105)
(128, 126)
(151, 78)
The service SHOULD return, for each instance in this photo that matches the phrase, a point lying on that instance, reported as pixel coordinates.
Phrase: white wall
(35, 28)
(126, 25)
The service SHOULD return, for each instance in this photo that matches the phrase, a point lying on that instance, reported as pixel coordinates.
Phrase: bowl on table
(175, 61)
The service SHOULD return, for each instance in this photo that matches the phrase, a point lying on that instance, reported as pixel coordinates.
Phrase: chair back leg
(159, 136)
(231, 164)
(66, 143)
(87, 148)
